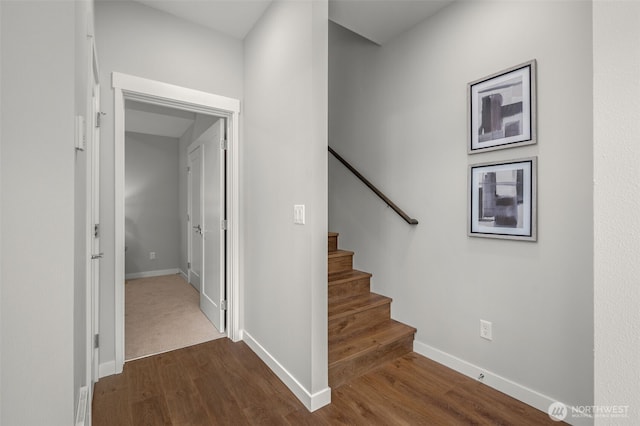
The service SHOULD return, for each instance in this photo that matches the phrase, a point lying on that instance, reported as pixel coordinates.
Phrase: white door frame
(164, 94)
(92, 305)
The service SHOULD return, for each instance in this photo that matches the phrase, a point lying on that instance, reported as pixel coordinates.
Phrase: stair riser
(349, 288)
(340, 263)
(343, 371)
(344, 327)
(333, 243)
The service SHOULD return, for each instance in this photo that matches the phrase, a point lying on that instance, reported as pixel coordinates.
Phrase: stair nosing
(358, 275)
(340, 253)
(379, 300)
(406, 331)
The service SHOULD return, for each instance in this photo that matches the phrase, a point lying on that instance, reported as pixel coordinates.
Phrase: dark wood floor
(225, 383)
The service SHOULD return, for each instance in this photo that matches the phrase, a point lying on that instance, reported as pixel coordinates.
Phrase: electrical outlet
(152, 255)
(485, 330)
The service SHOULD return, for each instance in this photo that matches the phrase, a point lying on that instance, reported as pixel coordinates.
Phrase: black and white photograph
(502, 109)
(502, 200)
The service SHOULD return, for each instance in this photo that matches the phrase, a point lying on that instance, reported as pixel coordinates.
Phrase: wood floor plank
(111, 404)
(221, 406)
(143, 379)
(150, 411)
(181, 395)
(232, 386)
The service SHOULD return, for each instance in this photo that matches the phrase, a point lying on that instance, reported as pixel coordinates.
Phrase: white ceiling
(231, 17)
(377, 20)
(382, 20)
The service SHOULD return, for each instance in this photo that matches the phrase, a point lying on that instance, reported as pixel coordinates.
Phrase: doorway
(162, 311)
(130, 88)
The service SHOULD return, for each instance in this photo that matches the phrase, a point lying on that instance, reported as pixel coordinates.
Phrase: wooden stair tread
(351, 305)
(361, 333)
(341, 350)
(340, 253)
(345, 276)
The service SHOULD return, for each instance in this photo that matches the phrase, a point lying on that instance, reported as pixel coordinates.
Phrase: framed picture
(502, 200)
(502, 109)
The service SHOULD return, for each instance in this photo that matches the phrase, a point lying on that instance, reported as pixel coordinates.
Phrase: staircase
(362, 335)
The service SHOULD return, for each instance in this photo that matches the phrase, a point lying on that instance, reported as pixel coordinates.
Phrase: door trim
(92, 296)
(149, 91)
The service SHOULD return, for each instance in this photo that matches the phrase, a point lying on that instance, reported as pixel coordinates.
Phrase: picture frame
(503, 199)
(502, 109)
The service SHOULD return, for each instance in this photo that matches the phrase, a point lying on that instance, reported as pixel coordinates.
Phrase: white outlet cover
(298, 214)
(485, 330)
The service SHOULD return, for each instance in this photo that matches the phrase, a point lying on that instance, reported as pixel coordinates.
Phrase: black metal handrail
(372, 187)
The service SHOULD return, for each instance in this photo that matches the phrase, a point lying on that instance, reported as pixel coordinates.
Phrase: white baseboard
(82, 411)
(183, 275)
(311, 401)
(107, 369)
(504, 385)
(148, 274)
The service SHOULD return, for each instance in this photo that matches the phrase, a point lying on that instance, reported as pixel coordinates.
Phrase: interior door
(196, 240)
(213, 289)
(206, 212)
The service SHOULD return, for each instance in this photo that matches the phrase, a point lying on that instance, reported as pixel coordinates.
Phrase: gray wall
(285, 163)
(398, 113)
(202, 123)
(151, 203)
(616, 90)
(42, 272)
(142, 41)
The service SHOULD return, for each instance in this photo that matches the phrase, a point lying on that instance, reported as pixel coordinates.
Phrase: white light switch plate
(298, 214)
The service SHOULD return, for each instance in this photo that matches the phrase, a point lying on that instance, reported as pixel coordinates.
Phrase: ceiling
(231, 17)
(382, 20)
(377, 20)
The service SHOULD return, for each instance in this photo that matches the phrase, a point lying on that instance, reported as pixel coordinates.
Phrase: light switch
(298, 214)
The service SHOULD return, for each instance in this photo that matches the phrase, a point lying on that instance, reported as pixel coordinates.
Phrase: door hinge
(99, 118)
(188, 265)
(188, 169)
(96, 230)
(223, 224)
(223, 305)
(96, 341)
(224, 144)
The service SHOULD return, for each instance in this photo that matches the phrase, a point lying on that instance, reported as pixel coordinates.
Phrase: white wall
(142, 41)
(398, 113)
(616, 92)
(38, 349)
(201, 123)
(285, 163)
(151, 203)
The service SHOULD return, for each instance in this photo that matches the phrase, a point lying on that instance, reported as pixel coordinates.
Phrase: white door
(196, 240)
(206, 212)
